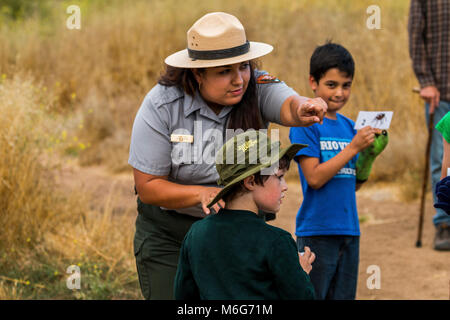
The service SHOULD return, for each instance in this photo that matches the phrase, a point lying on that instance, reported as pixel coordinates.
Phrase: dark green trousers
(157, 243)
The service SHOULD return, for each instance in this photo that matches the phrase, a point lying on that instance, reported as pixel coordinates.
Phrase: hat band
(219, 54)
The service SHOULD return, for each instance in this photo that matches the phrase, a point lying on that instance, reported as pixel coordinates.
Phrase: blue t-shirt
(331, 209)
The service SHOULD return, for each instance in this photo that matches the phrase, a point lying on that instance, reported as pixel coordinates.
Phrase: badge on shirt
(267, 78)
(182, 138)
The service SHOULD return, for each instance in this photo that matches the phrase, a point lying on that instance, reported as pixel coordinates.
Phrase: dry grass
(50, 229)
(74, 93)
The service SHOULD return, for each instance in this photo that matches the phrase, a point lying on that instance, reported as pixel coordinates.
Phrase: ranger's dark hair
(239, 188)
(245, 114)
(328, 56)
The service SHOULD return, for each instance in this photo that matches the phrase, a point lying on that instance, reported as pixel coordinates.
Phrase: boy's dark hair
(239, 188)
(328, 56)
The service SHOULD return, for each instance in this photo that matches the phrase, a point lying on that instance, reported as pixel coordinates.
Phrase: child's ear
(249, 182)
(313, 83)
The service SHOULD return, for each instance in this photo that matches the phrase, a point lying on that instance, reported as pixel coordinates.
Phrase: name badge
(182, 138)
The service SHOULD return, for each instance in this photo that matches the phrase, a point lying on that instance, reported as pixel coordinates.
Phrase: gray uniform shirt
(168, 115)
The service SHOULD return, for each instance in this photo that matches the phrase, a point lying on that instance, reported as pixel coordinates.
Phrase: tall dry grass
(74, 93)
(46, 228)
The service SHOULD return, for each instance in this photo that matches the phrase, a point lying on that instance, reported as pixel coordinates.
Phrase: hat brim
(290, 151)
(181, 58)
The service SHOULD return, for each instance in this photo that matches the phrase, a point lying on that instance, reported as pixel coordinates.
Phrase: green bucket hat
(246, 154)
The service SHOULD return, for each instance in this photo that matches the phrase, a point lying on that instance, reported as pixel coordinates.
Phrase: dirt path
(388, 237)
(388, 234)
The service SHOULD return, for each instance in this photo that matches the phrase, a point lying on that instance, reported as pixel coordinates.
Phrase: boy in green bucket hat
(234, 254)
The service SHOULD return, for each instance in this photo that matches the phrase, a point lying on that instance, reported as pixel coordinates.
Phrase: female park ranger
(208, 90)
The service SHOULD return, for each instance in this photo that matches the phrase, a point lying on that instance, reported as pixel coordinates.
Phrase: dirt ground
(388, 234)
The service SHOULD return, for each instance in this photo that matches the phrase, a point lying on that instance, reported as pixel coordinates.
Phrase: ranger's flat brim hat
(246, 154)
(217, 39)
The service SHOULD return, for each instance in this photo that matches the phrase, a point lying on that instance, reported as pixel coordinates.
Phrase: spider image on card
(379, 119)
(376, 119)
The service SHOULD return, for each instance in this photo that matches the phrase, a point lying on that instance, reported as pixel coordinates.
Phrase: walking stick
(425, 176)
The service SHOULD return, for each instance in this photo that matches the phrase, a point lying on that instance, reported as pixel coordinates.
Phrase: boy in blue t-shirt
(327, 221)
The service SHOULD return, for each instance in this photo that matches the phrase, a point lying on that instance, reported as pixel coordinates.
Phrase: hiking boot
(442, 238)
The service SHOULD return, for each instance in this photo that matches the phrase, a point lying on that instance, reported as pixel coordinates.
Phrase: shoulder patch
(267, 78)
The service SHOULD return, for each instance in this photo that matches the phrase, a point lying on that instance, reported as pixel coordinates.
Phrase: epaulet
(161, 95)
(267, 78)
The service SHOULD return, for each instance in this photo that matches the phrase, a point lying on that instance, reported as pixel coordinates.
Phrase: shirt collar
(242, 213)
(192, 104)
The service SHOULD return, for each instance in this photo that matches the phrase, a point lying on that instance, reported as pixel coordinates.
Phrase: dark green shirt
(235, 255)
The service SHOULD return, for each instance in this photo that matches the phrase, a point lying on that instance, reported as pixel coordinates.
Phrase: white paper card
(448, 172)
(375, 119)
